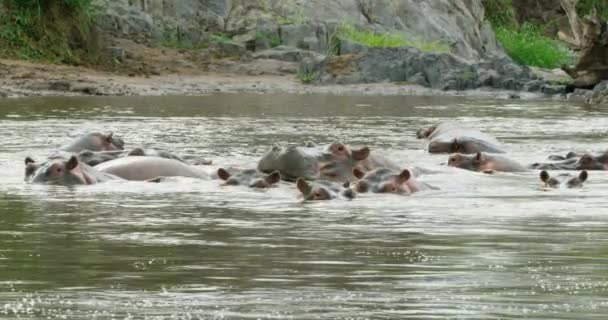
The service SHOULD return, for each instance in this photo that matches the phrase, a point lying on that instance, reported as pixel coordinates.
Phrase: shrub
(528, 46)
(387, 39)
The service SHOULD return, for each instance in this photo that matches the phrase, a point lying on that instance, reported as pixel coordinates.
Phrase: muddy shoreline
(27, 79)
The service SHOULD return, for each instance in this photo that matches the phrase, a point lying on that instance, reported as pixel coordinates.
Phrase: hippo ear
(544, 176)
(72, 163)
(478, 157)
(273, 178)
(276, 147)
(361, 154)
(455, 147)
(223, 174)
(403, 176)
(358, 173)
(29, 160)
(303, 186)
(108, 137)
(137, 152)
(583, 176)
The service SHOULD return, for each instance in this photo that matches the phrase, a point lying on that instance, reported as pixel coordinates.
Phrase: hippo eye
(341, 148)
(58, 170)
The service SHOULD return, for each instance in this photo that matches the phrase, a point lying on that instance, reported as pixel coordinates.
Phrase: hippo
(568, 155)
(584, 162)
(251, 178)
(384, 180)
(447, 137)
(334, 162)
(67, 172)
(148, 168)
(30, 167)
(292, 162)
(95, 141)
(484, 162)
(93, 158)
(564, 180)
(324, 190)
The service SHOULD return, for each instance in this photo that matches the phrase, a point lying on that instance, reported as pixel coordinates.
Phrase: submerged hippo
(95, 141)
(584, 162)
(66, 172)
(147, 168)
(564, 180)
(448, 137)
(251, 178)
(323, 190)
(94, 158)
(334, 162)
(384, 180)
(484, 162)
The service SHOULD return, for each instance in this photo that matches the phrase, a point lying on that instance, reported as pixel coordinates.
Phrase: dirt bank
(23, 79)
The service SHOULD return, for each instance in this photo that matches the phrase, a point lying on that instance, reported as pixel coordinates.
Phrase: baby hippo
(251, 178)
(484, 162)
(384, 180)
(564, 180)
(323, 190)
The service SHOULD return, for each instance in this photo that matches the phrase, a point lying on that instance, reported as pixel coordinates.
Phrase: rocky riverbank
(159, 47)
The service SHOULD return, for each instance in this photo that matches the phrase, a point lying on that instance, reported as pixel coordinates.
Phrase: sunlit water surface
(480, 247)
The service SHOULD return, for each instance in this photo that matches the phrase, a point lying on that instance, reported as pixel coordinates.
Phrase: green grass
(55, 31)
(272, 37)
(584, 7)
(307, 77)
(387, 40)
(528, 46)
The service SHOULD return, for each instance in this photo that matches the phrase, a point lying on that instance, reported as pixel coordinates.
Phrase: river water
(480, 247)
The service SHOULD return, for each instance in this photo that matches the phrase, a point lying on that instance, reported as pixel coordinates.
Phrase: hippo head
(463, 161)
(291, 162)
(425, 132)
(323, 190)
(97, 141)
(30, 167)
(590, 162)
(339, 160)
(383, 180)
(251, 178)
(62, 172)
(564, 180)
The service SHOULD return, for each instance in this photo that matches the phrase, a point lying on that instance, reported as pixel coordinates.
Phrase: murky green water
(480, 247)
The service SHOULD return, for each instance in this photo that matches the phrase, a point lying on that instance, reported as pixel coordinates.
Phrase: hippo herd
(324, 172)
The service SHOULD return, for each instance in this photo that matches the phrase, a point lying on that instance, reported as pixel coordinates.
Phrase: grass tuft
(528, 46)
(307, 77)
(387, 39)
(55, 31)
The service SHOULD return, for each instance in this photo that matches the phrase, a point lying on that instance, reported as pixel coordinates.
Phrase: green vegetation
(500, 13)
(273, 38)
(307, 77)
(584, 7)
(528, 46)
(387, 40)
(56, 31)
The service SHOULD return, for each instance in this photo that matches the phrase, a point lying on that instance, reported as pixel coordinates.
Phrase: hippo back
(146, 168)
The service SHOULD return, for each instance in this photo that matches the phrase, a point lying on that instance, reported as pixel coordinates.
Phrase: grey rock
(533, 86)
(599, 96)
(284, 53)
(229, 48)
(349, 47)
(580, 95)
(553, 89)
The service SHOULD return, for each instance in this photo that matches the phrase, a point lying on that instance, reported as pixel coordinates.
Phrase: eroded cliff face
(306, 24)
